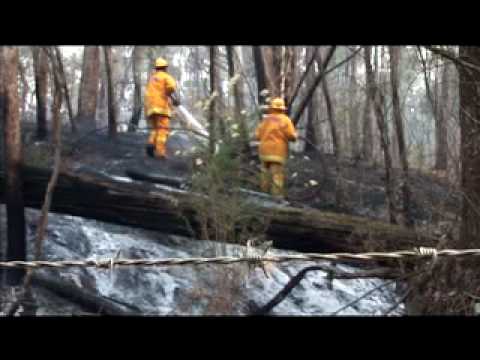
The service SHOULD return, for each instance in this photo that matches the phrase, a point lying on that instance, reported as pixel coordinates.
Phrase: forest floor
(311, 178)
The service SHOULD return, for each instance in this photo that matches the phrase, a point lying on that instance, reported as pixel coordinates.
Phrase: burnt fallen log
(158, 207)
(88, 300)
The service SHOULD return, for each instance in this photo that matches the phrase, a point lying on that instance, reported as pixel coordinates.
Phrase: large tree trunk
(112, 110)
(377, 99)
(97, 196)
(137, 92)
(40, 66)
(470, 146)
(279, 67)
(16, 243)
(272, 56)
(395, 75)
(88, 93)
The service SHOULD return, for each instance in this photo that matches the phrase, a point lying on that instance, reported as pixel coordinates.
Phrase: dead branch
(332, 273)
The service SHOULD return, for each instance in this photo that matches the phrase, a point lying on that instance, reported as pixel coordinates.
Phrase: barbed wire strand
(419, 253)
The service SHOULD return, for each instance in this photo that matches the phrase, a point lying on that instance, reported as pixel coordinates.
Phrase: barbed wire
(418, 253)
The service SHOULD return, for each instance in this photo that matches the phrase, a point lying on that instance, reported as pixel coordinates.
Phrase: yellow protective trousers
(160, 129)
(272, 178)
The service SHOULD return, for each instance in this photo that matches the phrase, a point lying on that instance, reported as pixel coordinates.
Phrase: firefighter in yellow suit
(274, 133)
(159, 92)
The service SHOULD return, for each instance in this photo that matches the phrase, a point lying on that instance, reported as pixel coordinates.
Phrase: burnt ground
(433, 199)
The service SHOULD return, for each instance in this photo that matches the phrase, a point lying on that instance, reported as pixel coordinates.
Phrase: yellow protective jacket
(159, 87)
(274, 133)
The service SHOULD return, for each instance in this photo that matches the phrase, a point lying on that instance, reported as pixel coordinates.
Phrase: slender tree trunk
(137, 92)
(238, 103)
(395, 75)
(66, 92)
(220, 108)
(367, 144)
(312, 117)
(377, 99)
(470, 146)
(309, 61)
(40, 67)
(353, 113)
(289, 73)
(322, 66)
(88, 93)
(112, 111)
(212, 108)
(102, 102)
(339, 188)
(259, 71)
(16, 243)
(57, 138)
(438, 112)
(25, 89)
(3, 237)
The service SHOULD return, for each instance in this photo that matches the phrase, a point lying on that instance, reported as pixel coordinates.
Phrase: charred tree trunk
(288, 78)
(137, 92)
(337, 148)
(88, 93)
(470, 146)
(40, 66)
(312, 118)
(259, 71)
(377, 99)
(395, 75)
(441, 144)
(112, 111)
(16, 243)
